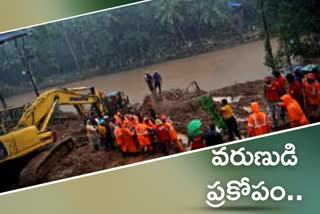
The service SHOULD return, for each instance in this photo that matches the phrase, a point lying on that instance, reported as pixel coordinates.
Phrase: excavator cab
(116, 101)
(3, 151)
(9, 118)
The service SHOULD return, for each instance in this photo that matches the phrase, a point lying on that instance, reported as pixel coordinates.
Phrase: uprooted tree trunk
(193, 84)
(2, 100)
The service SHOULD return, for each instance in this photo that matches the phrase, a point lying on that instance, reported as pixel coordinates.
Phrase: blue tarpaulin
(310, 68)
(293, 68)
(4, 37)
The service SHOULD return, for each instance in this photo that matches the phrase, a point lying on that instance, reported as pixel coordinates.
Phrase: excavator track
(35, 172)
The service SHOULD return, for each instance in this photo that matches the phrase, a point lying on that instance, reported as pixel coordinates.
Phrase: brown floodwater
(211, 70)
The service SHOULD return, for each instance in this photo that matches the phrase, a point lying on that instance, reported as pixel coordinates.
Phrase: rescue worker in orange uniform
(174, 137)
(132, 120)
(258, 121)
(118, 134)
(128, 143)
(172, 132)
(135, 120)
(149, 123)
(143, 135)
(125, 120)
(296, 116)
(311, 95)
(151, 128)
(117, 118)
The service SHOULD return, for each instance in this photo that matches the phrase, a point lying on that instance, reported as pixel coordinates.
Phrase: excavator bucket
(208, 104)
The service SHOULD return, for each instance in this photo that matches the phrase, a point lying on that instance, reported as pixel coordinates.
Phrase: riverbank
(211, 70)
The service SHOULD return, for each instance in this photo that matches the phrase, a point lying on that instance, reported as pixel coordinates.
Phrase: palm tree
(215, 13)
(268, 48)
(114, 36)
(170, 15)
(65, 35)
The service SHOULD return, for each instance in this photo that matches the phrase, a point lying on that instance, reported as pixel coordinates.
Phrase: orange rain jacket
(296, 116)
(118, 135)
(143, 134)
(128, 144)
(258, 121)
(174, 136)
(135, 119)
(150, 125)
(102, 130)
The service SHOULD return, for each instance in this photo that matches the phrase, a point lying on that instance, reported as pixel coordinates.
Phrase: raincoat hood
(286, 99)
(255, 107)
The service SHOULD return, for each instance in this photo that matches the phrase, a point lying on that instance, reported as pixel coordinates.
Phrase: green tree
(269, 59)
(170, 15)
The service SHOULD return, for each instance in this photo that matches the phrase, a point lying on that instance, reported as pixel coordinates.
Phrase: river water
(211, 70)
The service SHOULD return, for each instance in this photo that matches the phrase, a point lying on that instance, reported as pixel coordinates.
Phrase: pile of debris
(183, 106)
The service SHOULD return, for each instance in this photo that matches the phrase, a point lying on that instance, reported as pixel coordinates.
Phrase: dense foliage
(296, 24)
(139, 35)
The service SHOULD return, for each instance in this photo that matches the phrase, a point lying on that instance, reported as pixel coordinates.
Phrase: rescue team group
(294, 100)
(133, 133)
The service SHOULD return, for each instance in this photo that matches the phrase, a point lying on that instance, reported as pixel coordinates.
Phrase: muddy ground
(181, 105)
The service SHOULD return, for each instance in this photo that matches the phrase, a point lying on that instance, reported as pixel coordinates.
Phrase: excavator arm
(31, 132)
(41, 110)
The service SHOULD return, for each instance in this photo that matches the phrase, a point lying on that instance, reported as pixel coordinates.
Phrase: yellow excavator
(32, 146)
(9, 118)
